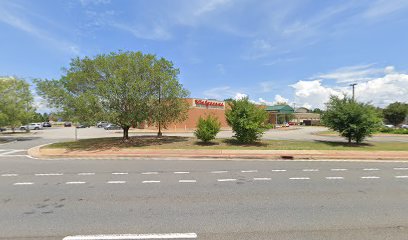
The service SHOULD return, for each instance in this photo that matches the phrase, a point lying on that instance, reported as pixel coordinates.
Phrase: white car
(389, 126)
(32, 126)
(404, 126)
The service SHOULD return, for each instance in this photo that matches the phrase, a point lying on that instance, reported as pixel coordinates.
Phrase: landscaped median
(185, 147)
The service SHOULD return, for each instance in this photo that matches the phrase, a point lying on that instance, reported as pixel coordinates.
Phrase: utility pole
(352, 85)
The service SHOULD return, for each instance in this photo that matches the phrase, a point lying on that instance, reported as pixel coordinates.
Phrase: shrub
(207, 128)
(248, 122)
(353, 120)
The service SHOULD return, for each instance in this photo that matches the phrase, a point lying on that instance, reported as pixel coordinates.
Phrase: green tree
(167, 104)
(115, 87)
(16, 102)
(248, 121)
(207, 128)
(353, 120)
(395, 113)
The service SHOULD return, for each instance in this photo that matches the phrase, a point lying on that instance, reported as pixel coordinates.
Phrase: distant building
(305, 117)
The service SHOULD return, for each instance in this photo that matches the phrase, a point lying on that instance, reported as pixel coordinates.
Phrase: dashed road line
(310, 170)
(187, 181)
(299, 178)
(149, 173)
(48, 174)
(86, 174)
(262, 179)
(218, 171)
(227, 180)
(338, 169)
(401, 176)
(249, 171)
(370, 177)
(278, 170)
(181, 172)
(120, 173)
(8, 152)
(371, 169)
(9, 175)
(151, 181)
(73, 183)
(116, 182)
(401, 169)
(23, 183)
(334, 178)
(133, 236)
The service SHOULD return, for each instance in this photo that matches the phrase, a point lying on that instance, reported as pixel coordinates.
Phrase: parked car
(46, 124)
(102, 124)
(32, 126)
(2, 129)
(83, 125)
(67, 124)
(291, 123)
(389, 126)
(404, 126)
(112, 127)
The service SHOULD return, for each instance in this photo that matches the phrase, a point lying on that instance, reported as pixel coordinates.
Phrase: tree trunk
(349, 138)
(159, 134)
(126, 133)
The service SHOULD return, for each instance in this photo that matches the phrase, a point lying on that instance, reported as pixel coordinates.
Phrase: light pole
(352, 85)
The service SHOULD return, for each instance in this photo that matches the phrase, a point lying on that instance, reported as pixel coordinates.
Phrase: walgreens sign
(208, 104)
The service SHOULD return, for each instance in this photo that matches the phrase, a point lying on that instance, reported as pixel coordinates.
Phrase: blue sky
(295, 51)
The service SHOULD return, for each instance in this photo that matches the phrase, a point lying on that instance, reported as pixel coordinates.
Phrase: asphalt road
(52, 199)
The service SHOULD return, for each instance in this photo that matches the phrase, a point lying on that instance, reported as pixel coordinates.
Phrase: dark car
(2, 129)
(46, 124)
(112, 127)
(67, 124)
(83, 125)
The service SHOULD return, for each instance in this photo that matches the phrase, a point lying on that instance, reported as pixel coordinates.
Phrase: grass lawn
(192, 143)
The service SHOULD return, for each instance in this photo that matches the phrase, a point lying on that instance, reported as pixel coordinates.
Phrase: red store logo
(208, 103)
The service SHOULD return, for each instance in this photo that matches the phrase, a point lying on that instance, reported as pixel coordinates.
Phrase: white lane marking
(149, 173)
(262, 179)
(11, 151)
(71, 183)
(14, 155)
(370, 177)
(151, 181)
(181, 172)
(338, 169)
(227, 180)
(23, 183)
(187, 181)
(299, 178)
(219, 172)
(310, 170)
(334, 178)
(9, 175)
(401, 176)
(371, 169)
(249, 171)
(401, 168)
(278, 170)
(48, 174)
(134, 236)
(120, 173)
(86, 174)
(116, 182)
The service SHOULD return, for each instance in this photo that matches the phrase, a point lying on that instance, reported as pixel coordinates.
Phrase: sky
(299, 52)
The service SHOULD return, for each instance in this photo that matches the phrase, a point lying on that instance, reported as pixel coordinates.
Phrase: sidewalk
(224, 154)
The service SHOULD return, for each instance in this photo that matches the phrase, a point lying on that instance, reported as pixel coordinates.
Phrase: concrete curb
(37, 152)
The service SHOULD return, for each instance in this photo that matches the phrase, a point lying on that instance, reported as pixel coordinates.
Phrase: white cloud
(356, 73)
(93, 2)
(239, 96)
(267, 86)
(382, 8)
(380, 91)
(259, 48)
(210, 5)
(280, 99)
(219, 92)
(155, 32)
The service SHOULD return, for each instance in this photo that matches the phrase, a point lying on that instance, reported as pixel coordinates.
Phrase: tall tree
(167, 104)
(352, 119)
(16, 102)
(395, 113)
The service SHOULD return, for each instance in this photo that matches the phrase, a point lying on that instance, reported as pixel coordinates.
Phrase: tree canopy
(118, 87)
(396, 112)
(352, 119)
(16, 102)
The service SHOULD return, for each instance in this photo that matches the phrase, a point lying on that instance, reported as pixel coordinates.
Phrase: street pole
(352, 85)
